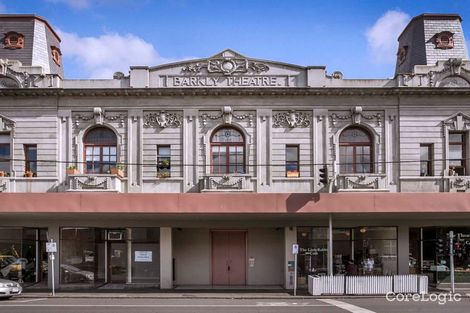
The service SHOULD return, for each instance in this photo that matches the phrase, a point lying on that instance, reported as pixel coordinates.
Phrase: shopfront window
(375, 250)
(78, 255)
(435, 259)
(120, 255)
(356, 251)
(22, 255)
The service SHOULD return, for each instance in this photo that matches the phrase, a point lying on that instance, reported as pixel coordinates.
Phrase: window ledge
(293, 178)
(163, 179)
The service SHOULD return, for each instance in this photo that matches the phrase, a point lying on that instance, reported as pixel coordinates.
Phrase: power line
(283, 164)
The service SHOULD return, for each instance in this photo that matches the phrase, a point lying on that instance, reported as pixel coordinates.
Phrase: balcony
(95, 182)
(226, 182)
(459, 183)
(4, 184)
(362, 182)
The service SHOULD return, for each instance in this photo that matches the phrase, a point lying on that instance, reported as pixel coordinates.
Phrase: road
(357, 305)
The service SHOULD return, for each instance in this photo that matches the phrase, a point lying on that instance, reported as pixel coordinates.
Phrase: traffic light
(440, 248)
(324, 175)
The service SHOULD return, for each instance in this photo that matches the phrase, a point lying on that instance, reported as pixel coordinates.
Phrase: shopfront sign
(143, 256)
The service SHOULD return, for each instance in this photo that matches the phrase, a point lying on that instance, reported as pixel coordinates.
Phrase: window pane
(5, 158)
(292, 153)
(227, 135)
(354, 135)
(424, 153)
(455, 151)
(100, 136)
(456, 137)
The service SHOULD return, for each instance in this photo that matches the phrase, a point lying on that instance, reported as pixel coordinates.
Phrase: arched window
(355, 151)
(227, 151)
(100, 150)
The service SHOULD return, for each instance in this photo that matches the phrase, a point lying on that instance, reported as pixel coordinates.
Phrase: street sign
(295, 248)
(51, 247)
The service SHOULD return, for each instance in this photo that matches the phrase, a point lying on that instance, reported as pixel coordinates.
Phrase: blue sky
(358, 38)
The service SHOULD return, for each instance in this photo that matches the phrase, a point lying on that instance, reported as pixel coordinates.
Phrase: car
(9, 288)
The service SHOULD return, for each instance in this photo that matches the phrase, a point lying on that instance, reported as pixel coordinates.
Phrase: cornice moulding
(268, 92)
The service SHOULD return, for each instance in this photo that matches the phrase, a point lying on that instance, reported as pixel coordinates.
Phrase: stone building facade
(205, 172)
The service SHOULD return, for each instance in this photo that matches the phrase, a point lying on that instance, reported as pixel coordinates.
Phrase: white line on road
(30, 300)
(162, 305)
(346, 306)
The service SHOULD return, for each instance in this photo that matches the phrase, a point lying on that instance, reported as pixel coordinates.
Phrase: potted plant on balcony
(3, 174)
(28, 174)
(163, 174)
(72, 170)
(118, 170)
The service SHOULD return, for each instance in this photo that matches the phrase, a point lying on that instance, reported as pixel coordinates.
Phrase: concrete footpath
(199, 294)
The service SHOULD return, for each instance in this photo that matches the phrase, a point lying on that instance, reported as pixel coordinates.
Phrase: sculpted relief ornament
(226, 66)
(356, 117)
(9, 78)
(291, 119)
(227, 116)
(162, 119)
(99, 116)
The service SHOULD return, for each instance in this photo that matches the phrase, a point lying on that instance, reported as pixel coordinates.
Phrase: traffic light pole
(451, 259)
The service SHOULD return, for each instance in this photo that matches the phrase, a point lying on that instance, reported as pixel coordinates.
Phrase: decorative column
(166, 258)
(290, 238)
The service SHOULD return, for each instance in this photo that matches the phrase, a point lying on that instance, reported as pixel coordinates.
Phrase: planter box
(72, 171)
(117, 171)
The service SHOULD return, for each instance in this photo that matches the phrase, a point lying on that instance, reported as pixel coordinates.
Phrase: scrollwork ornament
(163, 119)
(291, 119)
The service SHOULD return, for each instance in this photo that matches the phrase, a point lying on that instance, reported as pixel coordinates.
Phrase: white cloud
(382, 36)
(101, 56)
(75, 4)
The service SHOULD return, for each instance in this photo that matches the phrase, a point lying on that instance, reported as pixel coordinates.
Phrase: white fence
(367, 285)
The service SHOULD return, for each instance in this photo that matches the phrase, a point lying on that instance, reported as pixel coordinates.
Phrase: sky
(356, 37)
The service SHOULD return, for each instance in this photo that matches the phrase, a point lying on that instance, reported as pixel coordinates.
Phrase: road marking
(346, 306)
(163, 305)
(30, 300)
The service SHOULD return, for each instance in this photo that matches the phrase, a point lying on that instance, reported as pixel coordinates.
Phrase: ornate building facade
(205, 172)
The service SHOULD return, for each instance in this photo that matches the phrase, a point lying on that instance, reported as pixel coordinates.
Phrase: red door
(228, 258)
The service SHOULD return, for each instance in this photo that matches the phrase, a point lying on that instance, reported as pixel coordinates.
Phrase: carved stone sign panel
(227, 81)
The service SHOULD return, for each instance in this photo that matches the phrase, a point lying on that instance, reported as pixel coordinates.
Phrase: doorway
(229, 258)
(117, 262)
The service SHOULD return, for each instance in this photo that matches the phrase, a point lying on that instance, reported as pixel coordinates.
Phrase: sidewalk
(200, 294)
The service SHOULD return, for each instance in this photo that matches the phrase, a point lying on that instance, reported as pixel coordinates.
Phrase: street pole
(330, 245)
(451, 257)
(295, 274)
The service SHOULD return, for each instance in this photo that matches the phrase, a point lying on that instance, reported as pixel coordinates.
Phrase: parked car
(9, 288)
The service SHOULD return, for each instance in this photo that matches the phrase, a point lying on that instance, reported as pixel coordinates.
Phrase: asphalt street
(357, 305)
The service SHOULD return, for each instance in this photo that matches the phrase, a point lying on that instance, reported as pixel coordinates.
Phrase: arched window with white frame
(227, 151)
(355, 151)
(100, 147)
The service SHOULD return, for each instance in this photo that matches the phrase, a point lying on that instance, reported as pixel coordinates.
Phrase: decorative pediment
(11, 78)
(227, 62)
(228, 69)
(459, 121)
(454, 73)
(6, 124)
